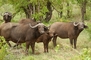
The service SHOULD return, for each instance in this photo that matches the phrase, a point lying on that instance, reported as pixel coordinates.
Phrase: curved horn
(75, 24)
(35, 25)
(7, 13)
(10, 14)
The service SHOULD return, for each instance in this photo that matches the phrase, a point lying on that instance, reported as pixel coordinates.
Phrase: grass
(62, 52)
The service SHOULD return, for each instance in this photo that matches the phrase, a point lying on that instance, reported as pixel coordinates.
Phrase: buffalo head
(41, 27)
(80, 25)
(7, 17)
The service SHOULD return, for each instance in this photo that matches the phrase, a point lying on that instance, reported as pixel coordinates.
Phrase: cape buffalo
(69, 30)
(7, 18)
(23, 33)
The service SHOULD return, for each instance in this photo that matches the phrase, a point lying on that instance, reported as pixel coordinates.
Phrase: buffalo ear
(85, 26)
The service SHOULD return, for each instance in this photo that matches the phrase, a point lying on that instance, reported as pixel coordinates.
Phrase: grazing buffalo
(69, 30)
(21, 33)
(7, 17)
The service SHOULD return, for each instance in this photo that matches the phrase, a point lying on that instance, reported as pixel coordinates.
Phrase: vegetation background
(48, 12)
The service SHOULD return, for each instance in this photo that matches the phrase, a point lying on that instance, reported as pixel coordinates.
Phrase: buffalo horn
(75, 24)
(6, 13)
(35, 25)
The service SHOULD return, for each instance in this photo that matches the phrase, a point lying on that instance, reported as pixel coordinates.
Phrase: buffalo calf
(45, 38)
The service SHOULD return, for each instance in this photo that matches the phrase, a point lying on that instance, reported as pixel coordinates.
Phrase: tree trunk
(61, 13)
(49, 13)
(28, 10)
(83, 9)
(68, 11)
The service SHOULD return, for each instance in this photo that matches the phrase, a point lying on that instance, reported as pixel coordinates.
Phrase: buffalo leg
(71, 42)
(75, 41)
(33, 46)
(45, 47)
(54, 41)
(27, 47)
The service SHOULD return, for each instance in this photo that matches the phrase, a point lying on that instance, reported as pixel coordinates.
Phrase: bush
(85, 55)
(3, 46)
(89, 30)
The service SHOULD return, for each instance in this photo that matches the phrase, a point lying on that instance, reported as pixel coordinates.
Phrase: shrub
(89, 30)
(57, 48)
(85, 55)
(3, 50)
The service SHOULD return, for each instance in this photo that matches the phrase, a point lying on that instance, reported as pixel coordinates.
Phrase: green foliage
(41, 13)
(3, 50)
(88, 15)
(89, 30)
(57, 48)
(86, 54)
(79, 1)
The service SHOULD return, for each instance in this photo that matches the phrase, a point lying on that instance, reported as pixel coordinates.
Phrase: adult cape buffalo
(69, 30)
(7, 18)
(20, 33)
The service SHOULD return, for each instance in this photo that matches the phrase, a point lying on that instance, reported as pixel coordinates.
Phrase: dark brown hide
(5, 30)
(45, 38)
(26, 21)
(69, 30)
(23, 33)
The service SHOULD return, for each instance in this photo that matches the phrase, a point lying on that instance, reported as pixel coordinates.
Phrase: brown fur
(45, 38)
(66, 30)
(26, 21)
(22, 33)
